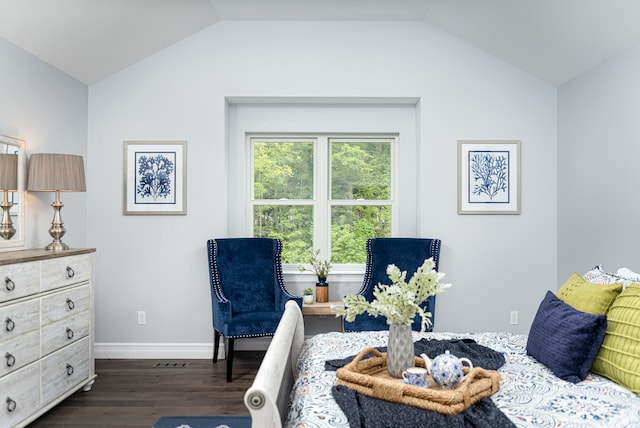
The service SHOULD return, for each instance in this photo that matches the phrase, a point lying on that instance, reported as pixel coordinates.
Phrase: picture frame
(489, 177)
(155, 178)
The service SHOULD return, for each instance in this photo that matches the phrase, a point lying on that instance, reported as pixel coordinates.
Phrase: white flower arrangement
(399, 302)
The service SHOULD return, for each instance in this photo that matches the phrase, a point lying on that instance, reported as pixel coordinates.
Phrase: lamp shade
(52, 172)
(9, 172)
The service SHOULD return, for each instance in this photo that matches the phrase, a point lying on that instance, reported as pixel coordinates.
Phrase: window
(322, 191)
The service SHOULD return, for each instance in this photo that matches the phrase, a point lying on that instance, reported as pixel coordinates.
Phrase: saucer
(424, 385)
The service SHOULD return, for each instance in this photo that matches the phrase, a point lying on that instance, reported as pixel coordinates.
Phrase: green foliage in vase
(399, 302)
(308, 292)
(320, 267)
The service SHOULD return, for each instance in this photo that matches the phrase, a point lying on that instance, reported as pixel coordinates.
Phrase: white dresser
(46, 330)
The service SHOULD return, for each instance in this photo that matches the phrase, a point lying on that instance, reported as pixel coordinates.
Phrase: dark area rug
(203, 422)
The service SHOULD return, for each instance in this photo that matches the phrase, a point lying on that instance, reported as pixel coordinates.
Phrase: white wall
(599, 148)
(293, 115)
(48, 109)
(496, 263)
(158, 263)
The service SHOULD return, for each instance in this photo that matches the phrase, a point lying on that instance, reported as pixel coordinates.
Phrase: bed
(293, 389)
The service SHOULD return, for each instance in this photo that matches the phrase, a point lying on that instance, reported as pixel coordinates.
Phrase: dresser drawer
(66, 331)
(65, 369)
(19, 396)
(65, 303)
(19, 352)
(19, 280)
(19, 318)
(65, 271)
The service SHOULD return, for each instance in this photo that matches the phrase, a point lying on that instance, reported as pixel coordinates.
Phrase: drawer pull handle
(9, 284)
(70, 304)
(69, 333)
(70, 272)
(9, 324)
(69, 369)
(11, 360)
(11, 405)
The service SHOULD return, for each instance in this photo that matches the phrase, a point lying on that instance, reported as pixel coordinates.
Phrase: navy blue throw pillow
(565, 339)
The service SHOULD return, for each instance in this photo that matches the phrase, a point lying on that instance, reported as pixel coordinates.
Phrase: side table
(323, 308)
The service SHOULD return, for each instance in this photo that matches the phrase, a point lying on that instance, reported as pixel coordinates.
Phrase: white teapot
(446, 369)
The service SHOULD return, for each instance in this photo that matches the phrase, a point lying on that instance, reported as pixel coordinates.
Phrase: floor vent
(171, 364)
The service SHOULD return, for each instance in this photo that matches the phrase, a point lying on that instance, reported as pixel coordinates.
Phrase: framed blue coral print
(155, 177)
(488, 177)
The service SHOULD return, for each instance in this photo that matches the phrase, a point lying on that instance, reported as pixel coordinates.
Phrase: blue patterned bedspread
(530, 394)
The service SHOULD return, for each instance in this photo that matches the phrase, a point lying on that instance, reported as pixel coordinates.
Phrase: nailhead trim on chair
(213, 245)
(435, 249)
(247, 335)
(279, 268)
(367, 281)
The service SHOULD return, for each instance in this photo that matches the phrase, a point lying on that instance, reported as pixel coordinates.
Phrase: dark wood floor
(134, 393)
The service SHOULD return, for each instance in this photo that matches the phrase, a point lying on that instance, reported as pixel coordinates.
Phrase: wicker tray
(370, 377)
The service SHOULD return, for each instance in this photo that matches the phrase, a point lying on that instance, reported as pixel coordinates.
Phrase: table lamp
(54, 172)
(8, 183)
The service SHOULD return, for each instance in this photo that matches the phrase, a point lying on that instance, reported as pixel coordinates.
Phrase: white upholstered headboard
(268, 396)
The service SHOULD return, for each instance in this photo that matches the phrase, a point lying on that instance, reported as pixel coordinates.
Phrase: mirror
(13, 145)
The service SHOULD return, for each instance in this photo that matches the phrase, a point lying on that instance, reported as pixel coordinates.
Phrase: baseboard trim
(193, 351)
(155, 350)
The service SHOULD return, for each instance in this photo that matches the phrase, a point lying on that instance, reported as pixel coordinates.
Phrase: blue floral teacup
(416, 376)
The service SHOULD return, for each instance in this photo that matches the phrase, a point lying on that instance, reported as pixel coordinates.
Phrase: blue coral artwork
(489, 177)
(155, 179)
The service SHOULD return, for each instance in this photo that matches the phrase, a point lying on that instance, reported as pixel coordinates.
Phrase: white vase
(400, 352)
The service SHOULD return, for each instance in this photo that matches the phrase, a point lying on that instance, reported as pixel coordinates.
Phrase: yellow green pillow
(619, 355)
(586, 297)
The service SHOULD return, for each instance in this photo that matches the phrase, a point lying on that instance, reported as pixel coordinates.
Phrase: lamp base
(57, 246)
(6, 228)
(7, 231)
(57, 229)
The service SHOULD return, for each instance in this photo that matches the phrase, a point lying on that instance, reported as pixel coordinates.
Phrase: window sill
(335, 273)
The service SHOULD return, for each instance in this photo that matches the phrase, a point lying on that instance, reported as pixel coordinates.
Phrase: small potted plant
(321, 268)
(307, 295)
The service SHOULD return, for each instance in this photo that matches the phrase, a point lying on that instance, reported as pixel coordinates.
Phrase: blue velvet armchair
(247, 290)
(407, 254)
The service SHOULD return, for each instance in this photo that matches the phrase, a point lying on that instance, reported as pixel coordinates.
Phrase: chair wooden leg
(216, 345)
(229, 356)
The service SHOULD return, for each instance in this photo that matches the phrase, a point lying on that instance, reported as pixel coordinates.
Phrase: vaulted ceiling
(554, 40)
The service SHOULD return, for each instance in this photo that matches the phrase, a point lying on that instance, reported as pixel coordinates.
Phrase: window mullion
(322, 228)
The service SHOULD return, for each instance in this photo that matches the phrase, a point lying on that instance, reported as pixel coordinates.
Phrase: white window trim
(384, 115)
(321, 200)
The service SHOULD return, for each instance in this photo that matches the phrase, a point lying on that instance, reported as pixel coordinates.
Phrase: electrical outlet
(513, 316)
(142, 317)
